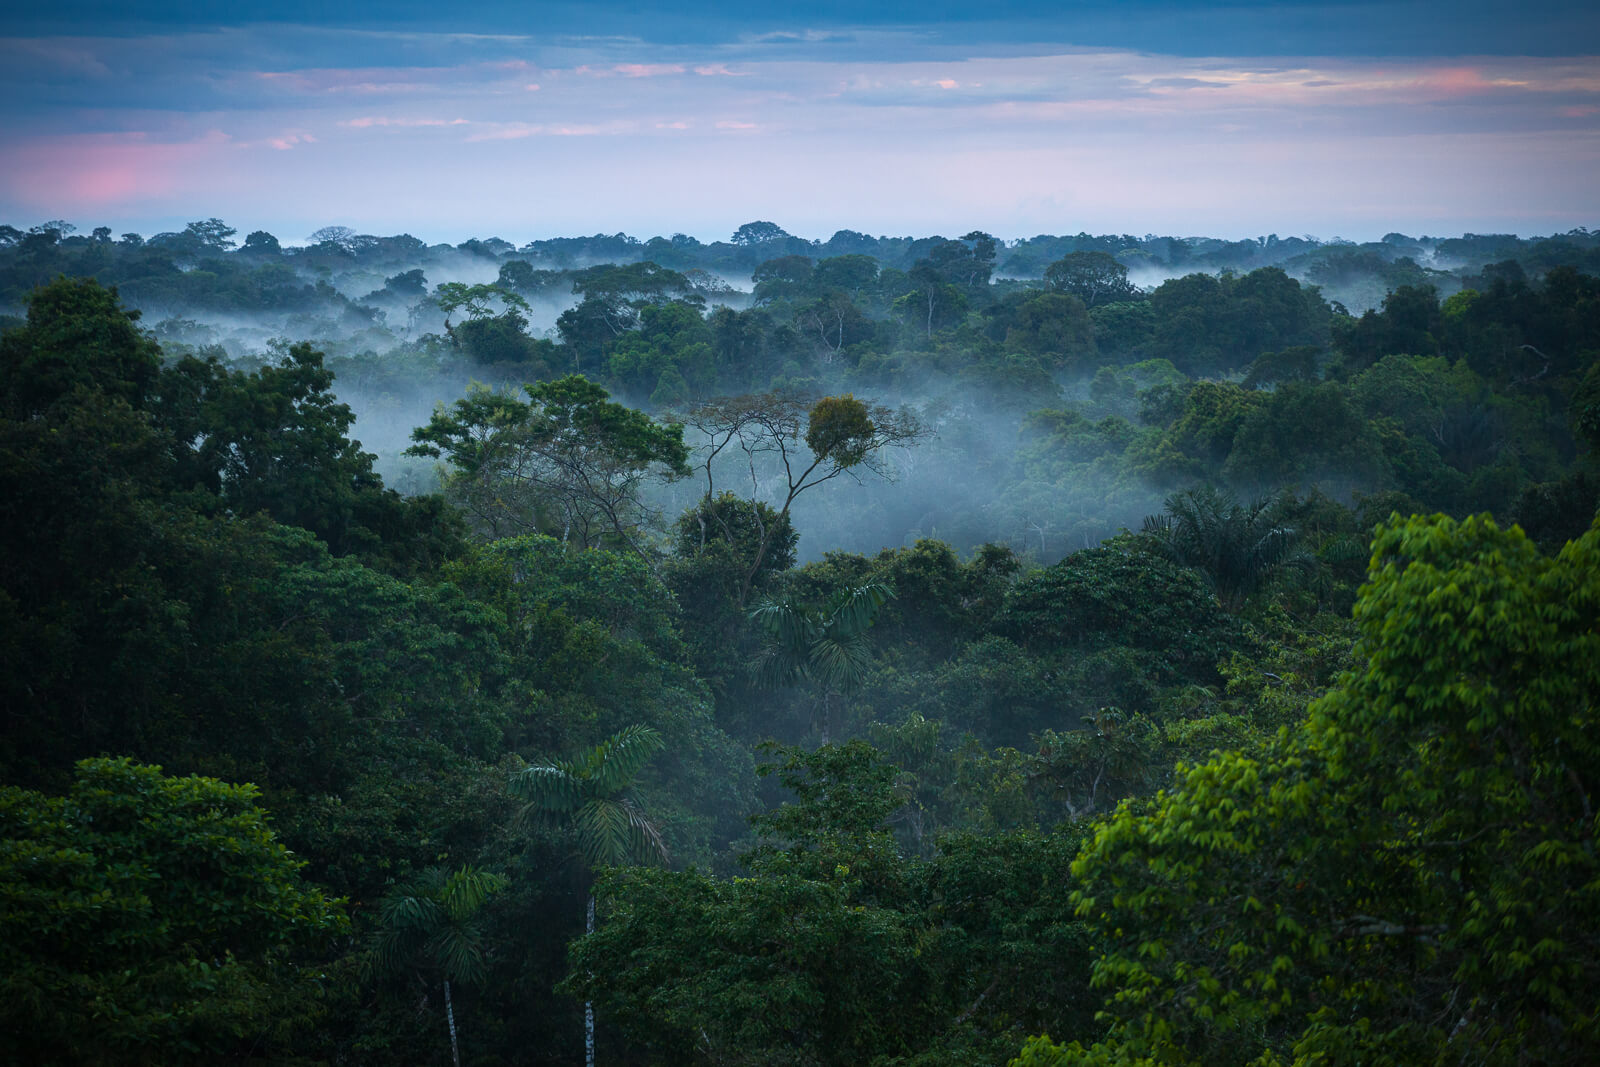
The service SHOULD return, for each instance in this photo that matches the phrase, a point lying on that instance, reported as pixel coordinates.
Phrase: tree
(1238, 547)
(432, 922)
(805, 443)
(785, 278)
(1094, 277)
(934, 300)
(78, 338)
(826, 646)
(836, 323)
(593, 792)
(337, 237)
(479, 302)
(210, 235)
(567, 458)
(1409, 875)
(836, 947)
(614, 302)
(756, 233)
(149, 919)
(260, 242)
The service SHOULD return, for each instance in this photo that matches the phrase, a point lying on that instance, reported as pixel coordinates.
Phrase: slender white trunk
(450, 1016)
(588, 1005)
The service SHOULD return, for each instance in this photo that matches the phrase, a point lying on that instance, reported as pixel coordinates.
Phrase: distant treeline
(236, 276)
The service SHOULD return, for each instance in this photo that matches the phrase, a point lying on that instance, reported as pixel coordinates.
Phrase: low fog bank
(1058, 375)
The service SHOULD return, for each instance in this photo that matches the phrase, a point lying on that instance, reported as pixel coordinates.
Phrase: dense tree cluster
(1163, 737)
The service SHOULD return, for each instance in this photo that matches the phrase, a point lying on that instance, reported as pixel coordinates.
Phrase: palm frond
(408, 911)
(467, 889)
(853, 610)
(841, 662)
(458, 951)
(775, 667)
(646, 835)
(603, 832)
(790, 625)
(390, 951)
(621, 757)
(549, 787)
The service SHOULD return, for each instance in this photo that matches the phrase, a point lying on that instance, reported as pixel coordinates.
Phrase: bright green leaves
(141, 915)
(1409, 877)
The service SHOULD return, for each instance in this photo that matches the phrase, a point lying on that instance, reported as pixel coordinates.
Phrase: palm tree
(593, 793)
(431, 922)
(1238, 547)
(827, 646)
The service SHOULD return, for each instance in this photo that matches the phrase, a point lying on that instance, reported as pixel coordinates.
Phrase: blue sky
(536, 120)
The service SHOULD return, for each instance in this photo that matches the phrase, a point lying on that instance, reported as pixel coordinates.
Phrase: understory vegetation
(940, 652)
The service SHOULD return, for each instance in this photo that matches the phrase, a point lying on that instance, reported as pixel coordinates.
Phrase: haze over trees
(867, 651)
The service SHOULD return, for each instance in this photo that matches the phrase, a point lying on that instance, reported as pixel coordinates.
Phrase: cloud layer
(290, 127)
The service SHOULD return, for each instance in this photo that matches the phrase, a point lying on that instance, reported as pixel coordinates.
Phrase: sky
(534, 119)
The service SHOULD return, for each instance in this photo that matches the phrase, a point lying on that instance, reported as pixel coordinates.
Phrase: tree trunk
(588, 1005)
(450, 1017)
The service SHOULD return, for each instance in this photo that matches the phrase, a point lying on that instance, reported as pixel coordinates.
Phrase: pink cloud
(1462, 81)
(647, 70)
(104, 169)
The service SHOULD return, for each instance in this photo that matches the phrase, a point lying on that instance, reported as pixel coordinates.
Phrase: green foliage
(78, 339)
(592, 790)
(840, 430)
(148, 919)
(567, 460)
(1238, 547)
(1121, 595)
(836, 948)
(1096, 278)
(1409, 876)
(431, 922)
(826, 646)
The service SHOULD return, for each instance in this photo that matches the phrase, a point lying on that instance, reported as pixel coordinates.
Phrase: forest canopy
(868, 651)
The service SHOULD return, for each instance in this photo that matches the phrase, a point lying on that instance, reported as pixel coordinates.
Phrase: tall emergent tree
(794, 443)
(1094, 277)
(593, 794)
